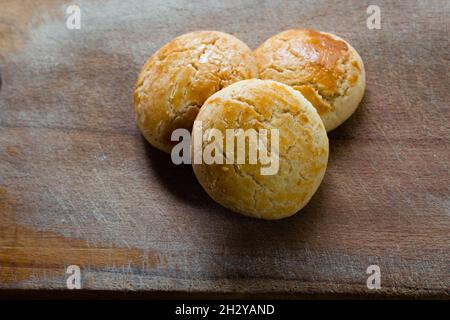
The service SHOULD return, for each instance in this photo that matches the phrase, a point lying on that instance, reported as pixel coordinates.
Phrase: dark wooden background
(79, 185)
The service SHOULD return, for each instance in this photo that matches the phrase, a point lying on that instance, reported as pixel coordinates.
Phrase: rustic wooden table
(80, 186)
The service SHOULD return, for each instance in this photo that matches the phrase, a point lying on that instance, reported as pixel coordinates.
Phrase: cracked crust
(175, 82)
(303, 149)
(323, 67)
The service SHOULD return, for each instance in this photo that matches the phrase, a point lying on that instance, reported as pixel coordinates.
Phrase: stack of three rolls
(302, 83)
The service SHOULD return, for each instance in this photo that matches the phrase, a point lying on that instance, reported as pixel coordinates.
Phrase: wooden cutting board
(80, 186)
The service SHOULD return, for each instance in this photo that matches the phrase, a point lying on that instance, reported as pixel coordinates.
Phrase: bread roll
(323, 67)
(302, 152)
(179, 77)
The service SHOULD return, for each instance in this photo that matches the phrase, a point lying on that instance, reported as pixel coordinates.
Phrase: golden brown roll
(323, 67)
(302, 149)
(179, 77)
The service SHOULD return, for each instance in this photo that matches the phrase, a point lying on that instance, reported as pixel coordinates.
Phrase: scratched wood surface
(79, 185)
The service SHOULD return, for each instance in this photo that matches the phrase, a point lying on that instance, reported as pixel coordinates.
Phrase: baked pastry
(323, 67)
(302, 149)
(179, 77)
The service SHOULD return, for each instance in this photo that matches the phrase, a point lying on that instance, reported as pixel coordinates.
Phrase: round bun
(179, 77)
(323, 67)
(303, 149)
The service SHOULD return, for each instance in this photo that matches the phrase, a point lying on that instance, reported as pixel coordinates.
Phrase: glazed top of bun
(180, 76)
(322, 66)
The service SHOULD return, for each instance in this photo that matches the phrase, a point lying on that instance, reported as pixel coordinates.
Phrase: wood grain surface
(79, 185)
